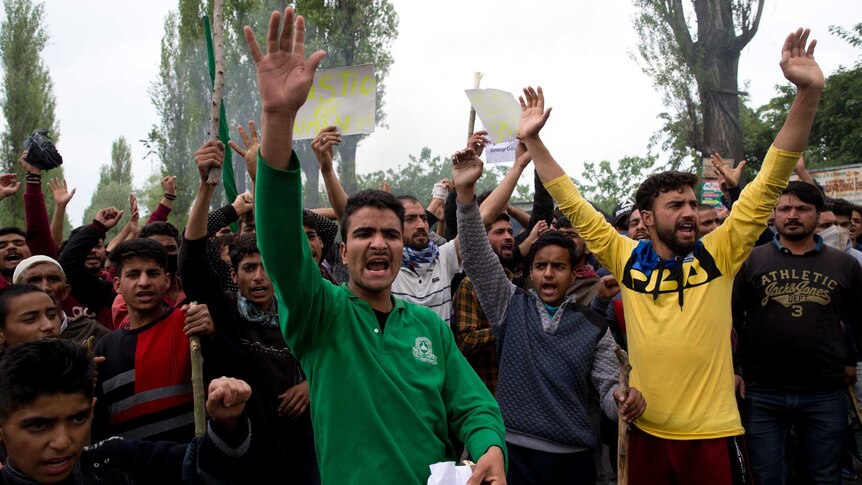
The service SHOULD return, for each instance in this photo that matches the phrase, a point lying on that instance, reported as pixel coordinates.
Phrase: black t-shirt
(381, 318)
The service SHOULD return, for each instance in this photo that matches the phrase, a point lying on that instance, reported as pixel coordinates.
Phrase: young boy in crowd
(26, 313)
(46, 409)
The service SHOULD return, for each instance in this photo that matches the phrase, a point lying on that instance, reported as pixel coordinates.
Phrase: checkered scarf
(420, 259)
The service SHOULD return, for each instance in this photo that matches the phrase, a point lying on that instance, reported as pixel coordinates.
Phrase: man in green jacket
(388, 385)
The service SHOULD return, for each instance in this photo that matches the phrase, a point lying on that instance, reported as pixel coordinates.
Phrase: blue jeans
(819, 419)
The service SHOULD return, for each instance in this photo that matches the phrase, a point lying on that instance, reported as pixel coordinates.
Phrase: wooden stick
(198, 382)
(218, 83)
(477, 77)
(622, 427)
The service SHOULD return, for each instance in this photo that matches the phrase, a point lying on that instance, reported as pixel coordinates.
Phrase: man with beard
(427, 269)
(791, 302)
(677, 288)
(388, 387)
(472, 330)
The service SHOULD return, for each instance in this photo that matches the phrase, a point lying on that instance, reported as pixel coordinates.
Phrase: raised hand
(324, 147)
(209, 155)
(109, 217)
(169, 184)
(522, 155)
(533, 113)
(9, 185)
(284, 75)
(478, 141)
(62, 196)
(249, 153)
(133, 209)
(731, 176)
(466, 169)
(797, 61)
(244, 203)
(226, 399)
(384, 187)
(608, 287)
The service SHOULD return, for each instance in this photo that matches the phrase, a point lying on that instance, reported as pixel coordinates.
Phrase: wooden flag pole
(198, 382)
(218, 83)
(622, 427)
(477, 77)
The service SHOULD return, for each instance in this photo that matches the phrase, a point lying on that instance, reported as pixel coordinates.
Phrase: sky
(104, 54)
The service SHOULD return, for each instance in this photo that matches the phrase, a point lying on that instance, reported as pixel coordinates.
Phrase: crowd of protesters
(435, 333)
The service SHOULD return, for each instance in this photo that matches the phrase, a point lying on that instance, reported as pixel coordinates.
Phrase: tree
(606, 186)
(697, 70)
(28, 100)
(120, 169)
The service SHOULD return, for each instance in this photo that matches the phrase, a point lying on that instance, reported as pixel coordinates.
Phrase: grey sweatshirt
(551, 369)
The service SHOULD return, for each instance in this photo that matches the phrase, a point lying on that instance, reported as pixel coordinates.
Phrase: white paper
(499, 111)
(446, 473)
(501, 152)
(345, 97)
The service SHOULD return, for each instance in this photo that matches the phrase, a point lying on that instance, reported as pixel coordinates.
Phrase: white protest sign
(501, 152)
(499, 112)
(344, 97)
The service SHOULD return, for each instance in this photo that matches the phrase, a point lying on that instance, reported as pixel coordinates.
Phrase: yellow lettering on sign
(367, 85)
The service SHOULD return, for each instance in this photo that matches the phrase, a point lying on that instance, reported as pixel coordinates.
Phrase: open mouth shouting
(13, 256)
(259, 291)
(687, 229)
(145, 296)
(58, 466)
(377, 265)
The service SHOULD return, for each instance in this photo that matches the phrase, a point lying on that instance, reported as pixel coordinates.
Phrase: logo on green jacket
(423, 352)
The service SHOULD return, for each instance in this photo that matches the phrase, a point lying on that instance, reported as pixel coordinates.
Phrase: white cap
(23, 265)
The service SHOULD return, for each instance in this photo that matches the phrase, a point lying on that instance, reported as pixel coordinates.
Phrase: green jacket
(382, 403)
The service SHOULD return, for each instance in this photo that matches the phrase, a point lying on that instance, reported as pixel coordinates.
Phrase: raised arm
(130, 229)
(600, 236)
(209, 155)
(249, 153)
(749, 215)
(284, 78)
(39, 238)
(62, 196)
(166, 204)
(496, 203)
(324, 147)
(493, 288)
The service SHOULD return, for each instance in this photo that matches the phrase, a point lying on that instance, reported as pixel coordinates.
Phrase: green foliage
(852, 36)
(419, 175)
(120, 169)
(605, 184)
(28, 100)
(110, 194)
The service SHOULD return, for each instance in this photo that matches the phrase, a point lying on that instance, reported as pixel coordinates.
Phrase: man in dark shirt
(791, 301)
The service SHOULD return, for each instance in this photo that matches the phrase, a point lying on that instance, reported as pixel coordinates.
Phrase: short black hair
(705, 207)
(841, 207)
(377, 199)
(160, 228)
(138, 247)
(10, 293)
(12, 230)
(245, 245)
(247, 219)
(807, 193)
(409, 198)
(503, 216)
(553, 238)
(660, 183)
(308, 219)
(44, 367)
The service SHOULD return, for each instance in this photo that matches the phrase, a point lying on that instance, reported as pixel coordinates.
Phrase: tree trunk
(310, 168)
(347, 167)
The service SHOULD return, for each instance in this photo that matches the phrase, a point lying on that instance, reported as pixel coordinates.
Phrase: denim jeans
(819, 420)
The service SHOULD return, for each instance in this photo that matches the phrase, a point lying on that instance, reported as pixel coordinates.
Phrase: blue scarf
(254, 314)
(420, 259)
